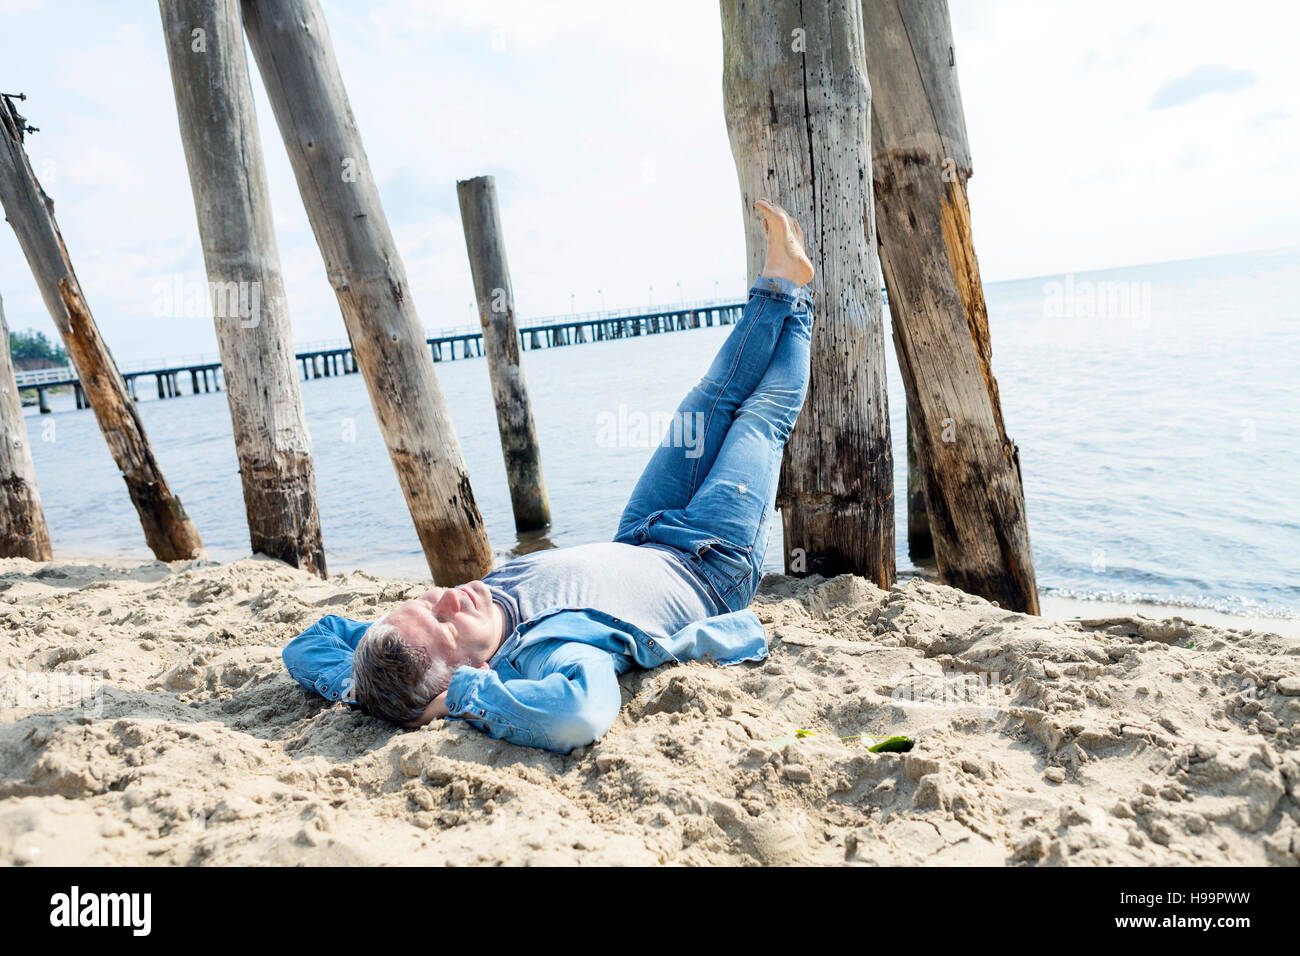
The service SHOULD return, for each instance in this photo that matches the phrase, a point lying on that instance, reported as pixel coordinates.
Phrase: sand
(145, 718)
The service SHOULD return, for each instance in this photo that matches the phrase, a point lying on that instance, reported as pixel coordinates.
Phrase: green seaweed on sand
(886, 745)
(894, 745)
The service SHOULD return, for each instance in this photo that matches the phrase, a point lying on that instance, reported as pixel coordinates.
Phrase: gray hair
(392, 679)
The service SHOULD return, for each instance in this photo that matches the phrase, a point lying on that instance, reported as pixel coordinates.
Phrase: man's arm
(568, 697)
(320, 658)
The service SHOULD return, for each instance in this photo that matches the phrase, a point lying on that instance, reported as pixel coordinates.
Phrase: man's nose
(449, 603)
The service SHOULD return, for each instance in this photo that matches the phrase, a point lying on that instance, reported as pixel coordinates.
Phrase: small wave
(1242, 606)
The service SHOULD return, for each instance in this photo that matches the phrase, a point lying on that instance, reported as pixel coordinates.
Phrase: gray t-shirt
(647, 585)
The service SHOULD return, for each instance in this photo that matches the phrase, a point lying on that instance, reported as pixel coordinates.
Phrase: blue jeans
(713, 501)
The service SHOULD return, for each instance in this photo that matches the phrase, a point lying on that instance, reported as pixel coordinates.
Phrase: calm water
(1156, 409)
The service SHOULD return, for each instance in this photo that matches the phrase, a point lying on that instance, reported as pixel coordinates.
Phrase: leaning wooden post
(496, 311)
(223, 151)
(797, 104)
(970, 468)
(23, 533)
(296, 60)
(167, 528)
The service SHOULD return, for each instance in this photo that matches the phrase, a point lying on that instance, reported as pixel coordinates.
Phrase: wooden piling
(797, 105)
(970, 468)
(485, 244)
(167, 528)
(296, 61)
(223, 152)
(920, 544)
(23, 532)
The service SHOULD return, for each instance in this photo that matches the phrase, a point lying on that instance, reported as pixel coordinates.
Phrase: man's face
(458, 625)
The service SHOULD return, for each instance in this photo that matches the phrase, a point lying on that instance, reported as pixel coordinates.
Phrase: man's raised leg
(727, 520)
(700, 425)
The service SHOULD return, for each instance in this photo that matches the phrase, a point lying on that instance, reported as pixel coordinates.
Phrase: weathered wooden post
(167, 528)
(296, 60)
(485, 244)
(970, 468)
(23, 533)
(920, 545)
(223, 151)
(797, 105)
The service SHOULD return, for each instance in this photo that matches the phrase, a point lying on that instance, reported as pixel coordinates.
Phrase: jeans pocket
(728, 568)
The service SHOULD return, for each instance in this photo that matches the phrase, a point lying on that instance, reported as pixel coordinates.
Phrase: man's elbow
(584, 727)
(300, 646)
(292, 658)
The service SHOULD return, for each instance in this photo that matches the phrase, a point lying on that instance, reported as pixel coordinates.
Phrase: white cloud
(99, 168)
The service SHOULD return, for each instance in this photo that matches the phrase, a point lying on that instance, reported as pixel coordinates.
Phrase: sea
(1156, 408)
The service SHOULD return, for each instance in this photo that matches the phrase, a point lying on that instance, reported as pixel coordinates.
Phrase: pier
(315, 360)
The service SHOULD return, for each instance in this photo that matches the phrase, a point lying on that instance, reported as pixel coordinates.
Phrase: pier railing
(329, 357)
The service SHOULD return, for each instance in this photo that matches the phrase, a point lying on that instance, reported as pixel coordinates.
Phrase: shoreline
(1083, 609)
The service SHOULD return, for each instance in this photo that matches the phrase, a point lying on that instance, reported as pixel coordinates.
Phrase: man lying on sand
(532, 653)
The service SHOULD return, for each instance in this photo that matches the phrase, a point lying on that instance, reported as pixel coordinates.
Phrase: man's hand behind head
(437, 709)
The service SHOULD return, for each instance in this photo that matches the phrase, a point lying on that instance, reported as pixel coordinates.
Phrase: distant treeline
(31, 349)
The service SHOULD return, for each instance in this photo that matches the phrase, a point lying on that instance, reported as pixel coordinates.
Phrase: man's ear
(426, 716)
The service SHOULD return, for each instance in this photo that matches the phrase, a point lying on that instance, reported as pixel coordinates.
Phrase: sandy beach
(145, 718)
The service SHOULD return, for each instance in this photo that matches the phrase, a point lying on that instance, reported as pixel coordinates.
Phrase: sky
(1103, 134)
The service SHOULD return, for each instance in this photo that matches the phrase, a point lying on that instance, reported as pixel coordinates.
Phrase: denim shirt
(553, 683)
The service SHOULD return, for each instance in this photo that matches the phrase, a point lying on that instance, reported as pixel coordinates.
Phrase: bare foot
(786, 258)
